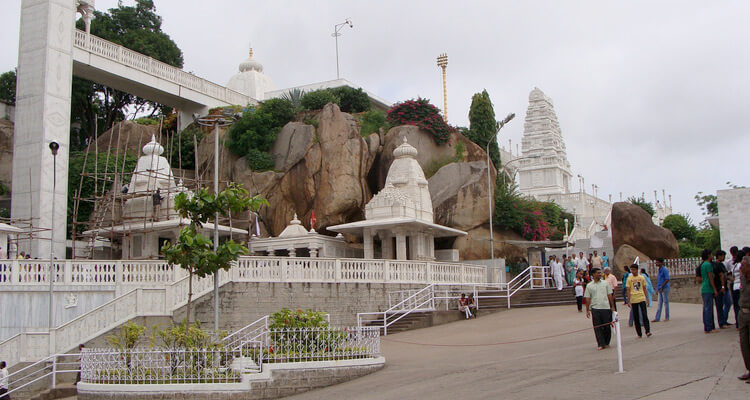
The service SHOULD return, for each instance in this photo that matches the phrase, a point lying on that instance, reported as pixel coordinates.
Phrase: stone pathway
(678, 362)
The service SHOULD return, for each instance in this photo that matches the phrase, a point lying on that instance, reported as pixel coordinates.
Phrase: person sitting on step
(463, 306)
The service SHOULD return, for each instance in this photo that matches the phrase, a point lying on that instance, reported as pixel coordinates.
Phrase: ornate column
(369, 247)
(313, 252)
(86, 9)
(292, 252)
(401, 246)
(271, 252)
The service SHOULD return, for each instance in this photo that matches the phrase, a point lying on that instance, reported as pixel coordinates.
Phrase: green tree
(8, 87)
(681, 226)
(193, 251)
(708, 238)
(317, 99)
(352, 100)
(709, 203)
(138, 28)
(483, 125)
(183, 152)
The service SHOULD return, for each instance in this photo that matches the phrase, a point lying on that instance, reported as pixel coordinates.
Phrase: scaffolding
(107, 223)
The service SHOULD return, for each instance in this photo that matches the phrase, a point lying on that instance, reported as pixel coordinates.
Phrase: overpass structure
(51, 51)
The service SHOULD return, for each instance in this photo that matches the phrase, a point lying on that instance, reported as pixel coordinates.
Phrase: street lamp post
(566, 237)
(53, 147)
(216, 121)
(336, 33)
(489, 183)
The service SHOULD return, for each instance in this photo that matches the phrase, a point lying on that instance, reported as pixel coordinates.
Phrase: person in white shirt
(733, 263)
(3, 381)
(596, 261)
(582, 262)
(557, 273)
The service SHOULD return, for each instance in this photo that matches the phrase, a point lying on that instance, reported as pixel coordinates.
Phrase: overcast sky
(649, 95)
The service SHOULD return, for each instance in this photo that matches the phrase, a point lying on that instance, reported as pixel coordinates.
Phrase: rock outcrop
(476, 245)
(292, 143)
(460, 195)
(631, 225)
(129, 135)
(624, 256)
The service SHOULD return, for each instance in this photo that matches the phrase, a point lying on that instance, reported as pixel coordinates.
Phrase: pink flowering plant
(421, 113)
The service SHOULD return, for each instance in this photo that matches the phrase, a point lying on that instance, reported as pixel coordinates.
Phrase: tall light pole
(442, 62)
(53, 147)
(489, 182)
(336, 33)
(216, 121)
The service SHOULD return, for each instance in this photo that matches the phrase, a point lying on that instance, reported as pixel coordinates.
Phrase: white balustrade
(675, 266)
(141, 62)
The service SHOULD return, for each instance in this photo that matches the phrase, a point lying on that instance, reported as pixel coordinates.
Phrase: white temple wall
(734, 218)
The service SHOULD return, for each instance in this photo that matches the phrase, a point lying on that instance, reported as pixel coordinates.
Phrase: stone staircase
(421, 319)
(534, 298)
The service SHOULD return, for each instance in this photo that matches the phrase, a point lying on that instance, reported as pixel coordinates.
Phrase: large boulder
(476, 245)
(460, 195)
(291, 144)
(227, 158)
(130, 137)
(632, 225)
(624, 257)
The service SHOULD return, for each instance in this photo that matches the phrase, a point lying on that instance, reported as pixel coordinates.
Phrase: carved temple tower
(544, 169)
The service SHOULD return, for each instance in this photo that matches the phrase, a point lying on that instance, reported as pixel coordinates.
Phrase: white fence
(247, 269)
(225, 363)
(132, 59)
(676, 266)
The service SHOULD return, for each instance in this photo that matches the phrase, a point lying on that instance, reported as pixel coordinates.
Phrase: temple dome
(250, 80)
(294, 229)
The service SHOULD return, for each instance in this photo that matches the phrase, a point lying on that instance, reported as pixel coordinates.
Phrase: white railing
(89, 272)
(290, 269)
(321, 344)
(250, 333)
(675, 266)
(41, 370)
(148, 273)
(160, 366)
(420, 301)
(125, 56)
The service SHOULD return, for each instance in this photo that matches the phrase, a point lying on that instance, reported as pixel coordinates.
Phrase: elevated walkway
(123, 69)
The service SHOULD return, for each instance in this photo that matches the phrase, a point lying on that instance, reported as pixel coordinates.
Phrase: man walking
(723, 298)
(582, 263)
(638, 301)
(596, 261)
(708, 290)
(601, 303)
(557, 273)
(662, 287)
(610, 278)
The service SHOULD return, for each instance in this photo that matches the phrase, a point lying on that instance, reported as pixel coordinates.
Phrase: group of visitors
(725, 283)
(467, 306)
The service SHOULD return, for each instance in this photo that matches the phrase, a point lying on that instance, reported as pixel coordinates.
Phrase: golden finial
(251, 52)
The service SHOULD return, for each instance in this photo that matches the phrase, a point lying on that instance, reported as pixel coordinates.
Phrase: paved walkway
(678, 362)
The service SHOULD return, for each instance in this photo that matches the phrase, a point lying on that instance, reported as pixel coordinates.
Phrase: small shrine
(399, 223)
(147, 217)
(296, 241)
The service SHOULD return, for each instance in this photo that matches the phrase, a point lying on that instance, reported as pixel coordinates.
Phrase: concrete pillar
(401, 246)
(421, 246)
(369, 246)
(386, 245)
(313, 252)
(271, 253)
(292, 252)
(430, 246)
(45, 65)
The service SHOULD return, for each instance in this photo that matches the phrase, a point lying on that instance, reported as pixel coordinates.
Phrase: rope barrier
(387, 339)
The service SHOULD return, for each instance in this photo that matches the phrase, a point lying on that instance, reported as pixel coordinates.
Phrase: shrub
(372, 121)
(317, 99)
(257, 128)
(642, 203)
(147, 121)
(286, 318)
(259, 160)
(421, 113)
(128, 336)
(351, 100)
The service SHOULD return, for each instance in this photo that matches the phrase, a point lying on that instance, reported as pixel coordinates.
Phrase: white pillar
(387, 245)
(369, 248)
(292, 252)
(313, 252)
(45, 76)
(430, 246)
(401, 246)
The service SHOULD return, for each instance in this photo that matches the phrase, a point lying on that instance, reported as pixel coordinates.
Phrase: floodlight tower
(442, 62)
(336, 33)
